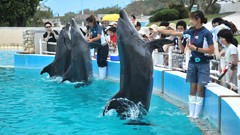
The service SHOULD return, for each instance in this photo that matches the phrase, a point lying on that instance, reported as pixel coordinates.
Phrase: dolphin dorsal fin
(158, 44)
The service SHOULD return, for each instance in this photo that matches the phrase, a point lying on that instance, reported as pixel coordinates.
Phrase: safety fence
(179, 62)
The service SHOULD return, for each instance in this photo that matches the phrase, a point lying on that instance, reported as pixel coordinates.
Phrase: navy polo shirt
(201, 38)
(95, 30)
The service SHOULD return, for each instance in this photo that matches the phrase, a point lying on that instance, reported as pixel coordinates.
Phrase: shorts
(198, 73)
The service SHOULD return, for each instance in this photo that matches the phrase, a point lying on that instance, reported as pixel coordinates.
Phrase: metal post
(187, 58)
(40, 46)
(170, 57)
(222, 63)
(220, 109)
(238, 70)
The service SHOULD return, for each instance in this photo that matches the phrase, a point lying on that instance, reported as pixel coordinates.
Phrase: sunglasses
(48, 27)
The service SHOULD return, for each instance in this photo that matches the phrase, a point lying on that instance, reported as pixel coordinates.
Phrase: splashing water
(131, 111)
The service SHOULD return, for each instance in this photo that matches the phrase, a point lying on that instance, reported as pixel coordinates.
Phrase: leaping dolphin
(80, 69)
(136, 68)
(62, 59)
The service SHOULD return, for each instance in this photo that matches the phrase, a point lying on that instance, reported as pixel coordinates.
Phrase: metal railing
(41, 47)
(170, 61)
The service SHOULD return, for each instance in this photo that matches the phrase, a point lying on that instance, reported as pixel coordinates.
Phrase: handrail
(219, 109)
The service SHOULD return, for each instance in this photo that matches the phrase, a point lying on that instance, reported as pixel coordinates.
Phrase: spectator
(164, 23)
(133, 18)
(138, 26)
(152, 30)
(114, 24)
(219, 24)
(231, 54)
(50, 36)
(113, 37)
(96, 32)
(198, 68)
(179, 41)
(144, 33)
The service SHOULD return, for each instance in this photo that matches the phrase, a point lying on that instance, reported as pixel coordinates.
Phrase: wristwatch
(196, 49)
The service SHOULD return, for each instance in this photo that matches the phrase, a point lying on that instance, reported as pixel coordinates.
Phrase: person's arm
(55, 34)
(96, 38)
(181, 46)
(171, 32)
(209, 50)
(47, 37)
(89, 37)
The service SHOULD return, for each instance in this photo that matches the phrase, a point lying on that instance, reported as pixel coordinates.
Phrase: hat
(172, 26)
(154, 27)
(144, 31)
(108, 27)
(113, 23)
(162, 28)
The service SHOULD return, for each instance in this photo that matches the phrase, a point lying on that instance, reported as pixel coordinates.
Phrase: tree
(40, 15)
(67, 17)
(17, 12)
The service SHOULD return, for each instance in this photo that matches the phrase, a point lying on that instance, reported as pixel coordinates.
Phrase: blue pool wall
(174, 85)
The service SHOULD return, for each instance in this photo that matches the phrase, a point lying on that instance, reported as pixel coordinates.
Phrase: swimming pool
(7, 57)
(31, 103)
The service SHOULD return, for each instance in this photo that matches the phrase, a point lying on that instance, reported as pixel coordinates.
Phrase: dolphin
(80, 69)
(136, 69)
(62, 58)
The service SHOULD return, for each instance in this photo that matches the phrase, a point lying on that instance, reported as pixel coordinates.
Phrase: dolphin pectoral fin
(158, 44)
(94, 45)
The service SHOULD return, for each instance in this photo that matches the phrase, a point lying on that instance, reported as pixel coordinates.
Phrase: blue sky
(63, 6)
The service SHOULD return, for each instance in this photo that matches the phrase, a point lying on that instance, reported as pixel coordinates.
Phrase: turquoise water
(7, 57)
(33, 104)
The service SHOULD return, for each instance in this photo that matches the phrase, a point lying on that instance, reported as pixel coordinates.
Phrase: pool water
(7, 57)
(34, 104)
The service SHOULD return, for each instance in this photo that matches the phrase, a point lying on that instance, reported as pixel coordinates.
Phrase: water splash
(129, 110)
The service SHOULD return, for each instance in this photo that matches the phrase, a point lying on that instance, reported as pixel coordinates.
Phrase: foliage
(165, 15)
(183, 12)
(108, 10)
(17, 12)
(67, 17)
(36, 21)
(214, 9)
(209, 17)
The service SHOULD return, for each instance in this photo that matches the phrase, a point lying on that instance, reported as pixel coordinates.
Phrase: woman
(226, 38)
(198, 68)
(95, 36)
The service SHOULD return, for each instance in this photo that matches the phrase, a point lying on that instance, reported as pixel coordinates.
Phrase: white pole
(40, 46)
(238, 70)
(82, 14)
(187, 58)
(222, 62)
(170, 57)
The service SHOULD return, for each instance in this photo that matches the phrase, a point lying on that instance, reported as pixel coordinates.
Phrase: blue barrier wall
(174, 85)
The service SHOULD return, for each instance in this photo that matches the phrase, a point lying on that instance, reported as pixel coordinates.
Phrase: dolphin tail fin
(47, 69)
(95, 45)
(158, 44)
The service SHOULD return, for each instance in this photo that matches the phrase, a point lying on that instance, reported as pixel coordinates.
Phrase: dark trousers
(102, 54)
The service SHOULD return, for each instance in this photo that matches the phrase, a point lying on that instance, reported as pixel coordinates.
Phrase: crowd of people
(204, 45)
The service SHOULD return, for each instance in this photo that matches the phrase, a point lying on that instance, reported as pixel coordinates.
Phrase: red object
(223, 73)
(114, 39)
(94, 56)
